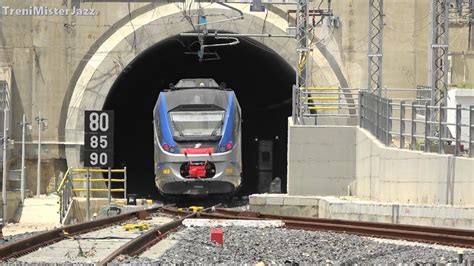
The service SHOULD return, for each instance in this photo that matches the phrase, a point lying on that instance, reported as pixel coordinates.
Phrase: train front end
(197, 128)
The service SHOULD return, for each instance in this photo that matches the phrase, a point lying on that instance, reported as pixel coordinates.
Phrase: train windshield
(197, 125)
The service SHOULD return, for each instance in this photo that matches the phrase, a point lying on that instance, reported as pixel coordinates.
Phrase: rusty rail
(145, 241)
(141, 243)
(27, 245)
(405, 227)
(436, 235)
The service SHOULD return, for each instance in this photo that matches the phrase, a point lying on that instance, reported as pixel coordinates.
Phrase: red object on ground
(197, 170)
(217, 236)
(197, 151)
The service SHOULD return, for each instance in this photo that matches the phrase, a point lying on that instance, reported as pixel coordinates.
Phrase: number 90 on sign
(98, 159)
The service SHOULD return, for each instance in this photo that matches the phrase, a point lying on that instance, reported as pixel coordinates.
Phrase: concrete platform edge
(350, 208)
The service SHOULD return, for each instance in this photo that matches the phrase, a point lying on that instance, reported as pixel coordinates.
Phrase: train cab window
(156, 124)
(192, 125)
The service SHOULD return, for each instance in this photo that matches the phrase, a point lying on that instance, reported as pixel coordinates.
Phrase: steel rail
(27, 245)
(406, 227)
(437, 238)
(141, 243)
(438, 235)
(144, 241)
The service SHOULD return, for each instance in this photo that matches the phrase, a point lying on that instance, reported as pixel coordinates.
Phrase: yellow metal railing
(66, 188)
(322, 99)
(320, 89)
(98, 189)
(63, 181)
(81, 170)
(327, 108)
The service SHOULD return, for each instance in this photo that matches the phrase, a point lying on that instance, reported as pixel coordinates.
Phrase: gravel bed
(283, 246)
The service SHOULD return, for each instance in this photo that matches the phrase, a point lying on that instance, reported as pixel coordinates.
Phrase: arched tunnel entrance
(261, 79)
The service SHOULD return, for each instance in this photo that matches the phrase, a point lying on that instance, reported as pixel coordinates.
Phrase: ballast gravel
(287, 246)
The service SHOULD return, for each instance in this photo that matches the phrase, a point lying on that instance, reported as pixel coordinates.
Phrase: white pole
(4, 178)
(23, 134)
(38, 171)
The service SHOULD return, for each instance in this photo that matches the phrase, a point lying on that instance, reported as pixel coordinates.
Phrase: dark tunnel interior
(261, 79)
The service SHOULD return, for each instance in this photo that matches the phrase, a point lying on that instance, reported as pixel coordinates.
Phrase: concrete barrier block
(257, 200)
(300, 201)
(274, 199)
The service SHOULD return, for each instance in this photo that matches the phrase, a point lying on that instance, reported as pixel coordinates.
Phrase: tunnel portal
(261, 79)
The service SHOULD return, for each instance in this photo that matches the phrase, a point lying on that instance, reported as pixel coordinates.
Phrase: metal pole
(88, 192)
(23, 137)
(302, 16)
(38, 170)
(294, 104)
(377, 112)
(389, 122)
(471, 21)
(361, 105)
(5, 159)
(110, 185)
(375, 50)
(458, 129)
(439, 51)
(125, 183)
(440, 126)
(427, 128)
(413, 126)
(471, 131)
(402, 124)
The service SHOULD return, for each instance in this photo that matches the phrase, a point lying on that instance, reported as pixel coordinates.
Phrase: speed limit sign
(98, 138)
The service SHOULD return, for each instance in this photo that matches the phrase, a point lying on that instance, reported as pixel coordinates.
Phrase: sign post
(98, 145)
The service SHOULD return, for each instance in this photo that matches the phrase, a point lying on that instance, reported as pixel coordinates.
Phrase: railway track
(426, 234)
(138, 243)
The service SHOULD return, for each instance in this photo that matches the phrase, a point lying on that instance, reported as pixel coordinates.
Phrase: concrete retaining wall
(391, 174)
(343, 160)
(321, 159)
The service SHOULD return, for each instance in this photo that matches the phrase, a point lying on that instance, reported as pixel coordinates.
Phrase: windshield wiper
(214, 132)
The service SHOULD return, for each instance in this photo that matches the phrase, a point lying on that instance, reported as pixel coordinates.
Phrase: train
(197, 139)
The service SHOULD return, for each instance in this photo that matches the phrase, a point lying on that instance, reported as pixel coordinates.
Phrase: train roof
(204, 83)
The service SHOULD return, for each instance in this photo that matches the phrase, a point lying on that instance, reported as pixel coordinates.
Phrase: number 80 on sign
(98, 138)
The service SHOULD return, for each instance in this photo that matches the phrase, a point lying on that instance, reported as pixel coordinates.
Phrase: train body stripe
(167, 136)
(228, 121)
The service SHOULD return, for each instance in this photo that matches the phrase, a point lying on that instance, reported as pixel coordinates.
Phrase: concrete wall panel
(321, 160)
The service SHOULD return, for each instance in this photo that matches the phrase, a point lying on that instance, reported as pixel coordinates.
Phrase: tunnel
(261, 79)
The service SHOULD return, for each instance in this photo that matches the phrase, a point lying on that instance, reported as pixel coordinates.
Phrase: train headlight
(222, 148)
(228, 170)
(169, 148)
(166, 171)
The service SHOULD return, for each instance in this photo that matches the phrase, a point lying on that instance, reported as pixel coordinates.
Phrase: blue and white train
(197, 137)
